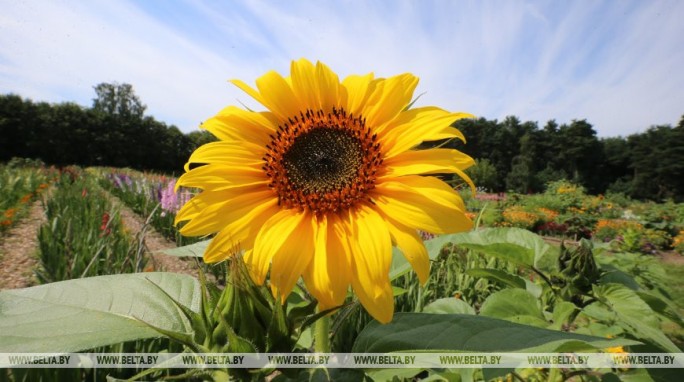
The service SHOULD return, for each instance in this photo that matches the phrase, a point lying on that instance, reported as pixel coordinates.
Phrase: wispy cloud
(617, 64)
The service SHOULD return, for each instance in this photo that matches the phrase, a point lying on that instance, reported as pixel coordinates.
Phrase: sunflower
(325, 182)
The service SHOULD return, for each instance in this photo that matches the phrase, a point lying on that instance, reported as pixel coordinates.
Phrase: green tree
(520, 178)
(116, 99)
(658, 162)
(200, 137)
(483, 174)
(616, 169)
(579, 152)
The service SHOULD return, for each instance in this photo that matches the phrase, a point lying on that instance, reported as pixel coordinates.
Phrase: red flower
(104, 226)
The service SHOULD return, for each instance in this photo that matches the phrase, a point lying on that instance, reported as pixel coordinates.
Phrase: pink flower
(172, 201)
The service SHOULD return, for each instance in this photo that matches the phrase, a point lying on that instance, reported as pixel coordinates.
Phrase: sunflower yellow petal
(241, 232)
(217, 177)
(412, 247)
(329, 273)
(220, 213)
(431, 161)
(228, 153)
(331, 92)
(293, 258)
(372, 255)
(250, 91)
(358, 88)
(304, 84)
(434, 188)
(272, 237)
(278, 95)
(433, 209)
(419, 125)
(211, 198)
(235, 124)
(389, 98)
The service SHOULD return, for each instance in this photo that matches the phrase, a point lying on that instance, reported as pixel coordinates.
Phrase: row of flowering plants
(20, 185)
(152, 196)
(83, 235)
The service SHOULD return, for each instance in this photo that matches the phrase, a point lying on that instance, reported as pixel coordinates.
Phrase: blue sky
(619, 64)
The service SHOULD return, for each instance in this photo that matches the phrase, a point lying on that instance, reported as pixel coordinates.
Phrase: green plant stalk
(322, 335)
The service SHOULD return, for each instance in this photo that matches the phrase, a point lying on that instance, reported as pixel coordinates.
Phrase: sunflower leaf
(75, 315)
(634, 314)
(468, 333)
(516, 245)
(503, 277)
(192, 250)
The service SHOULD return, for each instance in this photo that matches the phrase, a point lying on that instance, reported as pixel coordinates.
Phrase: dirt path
(153, 241)
(18, 250)
(672, 257)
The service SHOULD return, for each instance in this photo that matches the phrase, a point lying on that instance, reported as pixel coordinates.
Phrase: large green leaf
(513, 281)
(449, 305)
(662, 306)
(512, 244)
(633, 314)
(515, 305)
(75, 315)
(192, 250)
(562, 312)
(467, 333)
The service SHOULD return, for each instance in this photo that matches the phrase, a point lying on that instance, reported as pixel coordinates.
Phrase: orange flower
(547, 214)
(518, 217)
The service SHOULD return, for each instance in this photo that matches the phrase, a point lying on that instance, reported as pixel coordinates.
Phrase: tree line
(511, 155)
(522, 157)
(113, 132)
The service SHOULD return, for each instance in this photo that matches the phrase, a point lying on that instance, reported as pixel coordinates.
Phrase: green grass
(675, 273)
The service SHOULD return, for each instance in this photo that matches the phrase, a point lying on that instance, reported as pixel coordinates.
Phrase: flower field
(565, 211)
(602, 288)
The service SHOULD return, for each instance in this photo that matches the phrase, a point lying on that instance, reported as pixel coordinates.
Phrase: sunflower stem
(322, 335)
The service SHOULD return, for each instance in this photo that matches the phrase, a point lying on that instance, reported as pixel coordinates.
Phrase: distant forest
(511, 155)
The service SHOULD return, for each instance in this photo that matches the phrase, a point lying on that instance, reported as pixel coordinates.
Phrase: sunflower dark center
(323, 160)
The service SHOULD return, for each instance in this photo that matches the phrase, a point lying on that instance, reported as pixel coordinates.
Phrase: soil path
(153, 241)
(672, 257)
(18, 250)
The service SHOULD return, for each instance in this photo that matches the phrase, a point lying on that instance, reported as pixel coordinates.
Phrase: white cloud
(616, 64)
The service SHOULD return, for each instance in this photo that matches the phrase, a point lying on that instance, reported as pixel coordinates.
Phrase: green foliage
(467, 333)
(144, 194)
(114, 132)
(657, 162)
(508, 284)
(20, 184)
(483, 174)
(104, 310)
(647, 165)
(83, 235)
(118, 100)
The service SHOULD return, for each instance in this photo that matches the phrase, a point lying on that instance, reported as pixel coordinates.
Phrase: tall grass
(83, 235)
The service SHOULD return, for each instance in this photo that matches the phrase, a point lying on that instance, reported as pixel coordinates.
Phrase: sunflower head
(323, 183)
